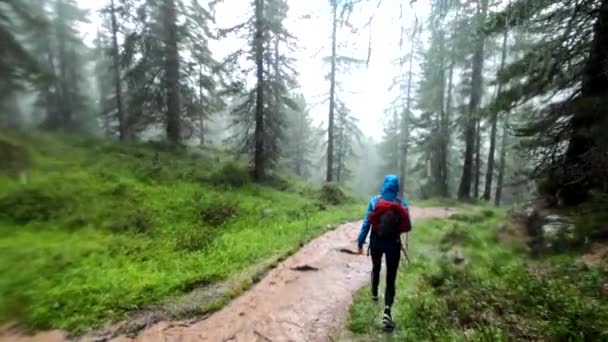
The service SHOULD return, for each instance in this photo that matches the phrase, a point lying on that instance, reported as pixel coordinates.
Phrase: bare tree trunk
(50, 102)
(201, 114)
(405, 116)
(487, 194)
(340, 144)
(445, 135)
(464, 190)
(332, 94)
(122, 122)
(503, 160)
(477, 158)
(66, 98)
(442, 164)
(259, 153)
(172, 73)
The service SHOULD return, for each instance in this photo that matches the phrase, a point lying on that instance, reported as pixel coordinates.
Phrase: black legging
(392, 264)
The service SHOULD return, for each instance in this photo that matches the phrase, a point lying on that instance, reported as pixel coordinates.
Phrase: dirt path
(310, 304)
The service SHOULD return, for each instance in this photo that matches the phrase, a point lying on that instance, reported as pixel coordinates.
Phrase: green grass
(497, 294)
(100, 230)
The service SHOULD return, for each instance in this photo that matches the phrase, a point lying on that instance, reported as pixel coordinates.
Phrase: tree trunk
(259, 153)
(445, 135)
(487, 194)
(172, 73)
(503, 160)
(299, 154)
(201, 114)
(10, 112)
(122, 120)
(405, 117)
(65, 103)
(442, 162)
(339, 155)
(464, 190)
(52, 121)
(332, 94)
(477, 158)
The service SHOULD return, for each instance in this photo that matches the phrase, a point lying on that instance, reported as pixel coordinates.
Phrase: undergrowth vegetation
(90, 231)
(495, 293)
(591, 218)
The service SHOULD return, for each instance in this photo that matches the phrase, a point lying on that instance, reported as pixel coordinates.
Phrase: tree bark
(503, 160)
(464, 190)
(172, 73)
(259, 166)
(477, 158)
(66, 99)
(405, 117)
(201, 114)
(446, 126)
(332, 95)
(122, 120)
(340, 144)
(52, 121)
(443, 143)
(487, 194)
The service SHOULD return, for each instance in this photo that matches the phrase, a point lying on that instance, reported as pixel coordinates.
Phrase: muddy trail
(305, 298)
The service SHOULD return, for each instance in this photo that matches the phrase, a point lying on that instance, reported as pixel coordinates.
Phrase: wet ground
(305, 298)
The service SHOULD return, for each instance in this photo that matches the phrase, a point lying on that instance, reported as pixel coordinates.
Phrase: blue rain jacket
(389, 191)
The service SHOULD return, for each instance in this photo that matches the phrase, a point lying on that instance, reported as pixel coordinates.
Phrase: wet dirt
(305, 298)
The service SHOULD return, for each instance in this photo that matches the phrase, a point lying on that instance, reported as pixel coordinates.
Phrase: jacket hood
(390, 188)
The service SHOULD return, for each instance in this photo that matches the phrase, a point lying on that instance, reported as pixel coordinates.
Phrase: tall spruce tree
(301, 142)
(332, 91)
(494, 126)
(471, 131)
(563, 137)
(261, 115)
(347, 134)
(17, 61)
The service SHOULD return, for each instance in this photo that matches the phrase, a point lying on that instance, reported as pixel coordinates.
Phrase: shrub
(32, 204)
(332, 194)
(456, 236)
(217, 214)
(127, 218)
(14, 158)
(279, 183)
(231, 175)
(469, 218)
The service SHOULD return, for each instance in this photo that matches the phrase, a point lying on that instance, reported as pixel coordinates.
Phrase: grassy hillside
(90, 231)
(465, 284)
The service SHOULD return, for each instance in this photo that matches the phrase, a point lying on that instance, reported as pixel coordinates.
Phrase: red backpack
(389, 219)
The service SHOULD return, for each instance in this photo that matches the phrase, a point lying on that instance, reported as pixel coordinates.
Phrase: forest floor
(139, 242)
(305, 298)
(474, 278)
(94, 233)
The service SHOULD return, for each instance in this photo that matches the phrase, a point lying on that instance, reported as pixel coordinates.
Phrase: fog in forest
(159, 158)
(404, 83)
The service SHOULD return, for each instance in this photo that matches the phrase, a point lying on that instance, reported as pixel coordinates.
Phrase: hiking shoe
(387, 321)
(375, 295)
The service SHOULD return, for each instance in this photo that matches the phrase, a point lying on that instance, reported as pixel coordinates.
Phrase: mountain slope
(91, 231)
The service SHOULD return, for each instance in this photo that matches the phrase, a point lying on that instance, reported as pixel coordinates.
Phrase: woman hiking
(388, 217)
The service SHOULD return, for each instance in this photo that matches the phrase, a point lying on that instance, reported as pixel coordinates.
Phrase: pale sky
(365, 88)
